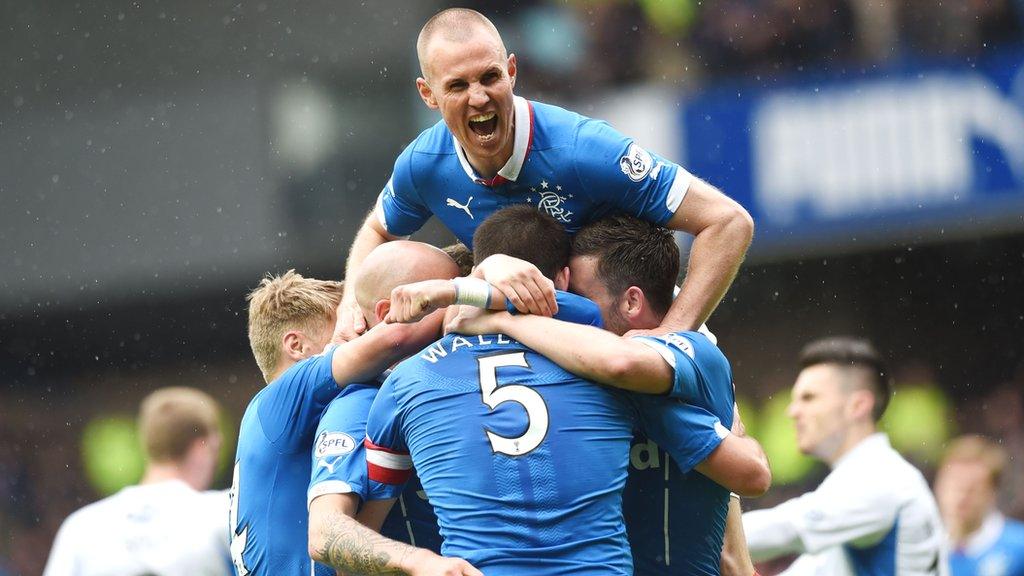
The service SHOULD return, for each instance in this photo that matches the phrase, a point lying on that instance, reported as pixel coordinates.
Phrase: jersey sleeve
(701, 373)
(688, 433)
(399, 209)
(616, 171)
(388, 463)
(339, 455)
(291, 405)
(830, 516)
(571, 308)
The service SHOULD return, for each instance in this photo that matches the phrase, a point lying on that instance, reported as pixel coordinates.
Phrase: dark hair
(632, 252)
(847, 351)
(524, 232)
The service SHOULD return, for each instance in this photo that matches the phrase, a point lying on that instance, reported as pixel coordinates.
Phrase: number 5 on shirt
(494, 395)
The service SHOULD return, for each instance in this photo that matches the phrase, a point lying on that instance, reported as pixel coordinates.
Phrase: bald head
(396, 263)
(456, 25)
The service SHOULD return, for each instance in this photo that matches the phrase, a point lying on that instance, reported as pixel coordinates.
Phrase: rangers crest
(551, 203)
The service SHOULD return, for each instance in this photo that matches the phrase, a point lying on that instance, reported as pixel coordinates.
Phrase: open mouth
(484, 125)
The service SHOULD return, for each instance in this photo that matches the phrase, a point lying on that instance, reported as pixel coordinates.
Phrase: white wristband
(472, 292)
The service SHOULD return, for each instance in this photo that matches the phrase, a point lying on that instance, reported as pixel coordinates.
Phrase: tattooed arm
(337, 539)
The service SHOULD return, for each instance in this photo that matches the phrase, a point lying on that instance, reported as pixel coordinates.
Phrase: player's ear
(426, 94)
(512, 69)
(381, 308)
(562, 279)
(293, 345)
(633, 302)
(860, 404)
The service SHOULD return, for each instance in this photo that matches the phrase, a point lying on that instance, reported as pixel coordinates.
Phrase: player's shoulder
(353, 398)
(90, 517)
(695, 345)
(554, 126)
(1013, 532)
(577, 309)
(314, 367)
(433, 141)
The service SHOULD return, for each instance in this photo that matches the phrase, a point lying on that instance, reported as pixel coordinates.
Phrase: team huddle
(558, 407)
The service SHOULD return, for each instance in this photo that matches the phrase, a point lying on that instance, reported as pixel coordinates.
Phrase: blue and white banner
(913, 152)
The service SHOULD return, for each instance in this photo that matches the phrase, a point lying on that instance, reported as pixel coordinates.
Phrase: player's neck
(854, 436)
(282, 367)
(961, 532)
(163, 472)
(489, 167)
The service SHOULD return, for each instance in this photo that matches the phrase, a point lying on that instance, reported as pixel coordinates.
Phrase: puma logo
(463, 207)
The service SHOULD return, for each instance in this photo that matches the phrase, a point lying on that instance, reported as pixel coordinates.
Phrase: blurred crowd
(570, 47)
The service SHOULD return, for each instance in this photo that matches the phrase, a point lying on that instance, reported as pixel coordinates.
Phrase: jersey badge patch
(334, 444)
(637, 163)
(679, 342)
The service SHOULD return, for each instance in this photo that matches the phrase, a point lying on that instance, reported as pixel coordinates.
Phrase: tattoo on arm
(352, 548)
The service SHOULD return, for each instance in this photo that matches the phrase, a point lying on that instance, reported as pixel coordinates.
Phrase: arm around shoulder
(722, 232)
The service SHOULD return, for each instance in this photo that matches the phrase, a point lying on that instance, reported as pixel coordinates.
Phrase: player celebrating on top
(493, 149)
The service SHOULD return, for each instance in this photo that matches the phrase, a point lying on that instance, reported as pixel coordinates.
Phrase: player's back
(523, 462)
(268, 520)
(165, 529)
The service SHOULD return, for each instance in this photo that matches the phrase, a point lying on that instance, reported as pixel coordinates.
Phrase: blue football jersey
(339, 467)
(523, 462)
(997, 549)
(272, 469)
(676, 518)
(575, 168)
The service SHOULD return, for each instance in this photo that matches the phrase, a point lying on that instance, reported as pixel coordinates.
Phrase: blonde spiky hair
(283, 303)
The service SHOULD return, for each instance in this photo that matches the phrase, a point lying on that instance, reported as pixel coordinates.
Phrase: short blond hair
(283, 303)
(171, 419)
(976, 449)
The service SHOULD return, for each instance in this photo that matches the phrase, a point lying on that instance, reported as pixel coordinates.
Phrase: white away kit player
(874, 513)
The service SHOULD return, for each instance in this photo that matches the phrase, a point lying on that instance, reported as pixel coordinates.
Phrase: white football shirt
(161, 529)
(873, 514)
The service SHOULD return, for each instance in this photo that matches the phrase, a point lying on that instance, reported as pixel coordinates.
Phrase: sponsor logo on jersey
(334, 444)
(464, 207)
(679, 342)
(637, 163)
(645, 455)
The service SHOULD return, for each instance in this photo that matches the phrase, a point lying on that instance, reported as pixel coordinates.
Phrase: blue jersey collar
(520, 148)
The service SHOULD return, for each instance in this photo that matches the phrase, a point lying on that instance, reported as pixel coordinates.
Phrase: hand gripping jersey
(873, 515)
(996, 549)
(268, 519)
(574, 168)
(523, 462)
(339, 467)
(676, 519)
(162, 528)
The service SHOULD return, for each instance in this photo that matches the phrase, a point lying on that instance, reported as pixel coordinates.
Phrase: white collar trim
(520, 146)
(990, 531)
